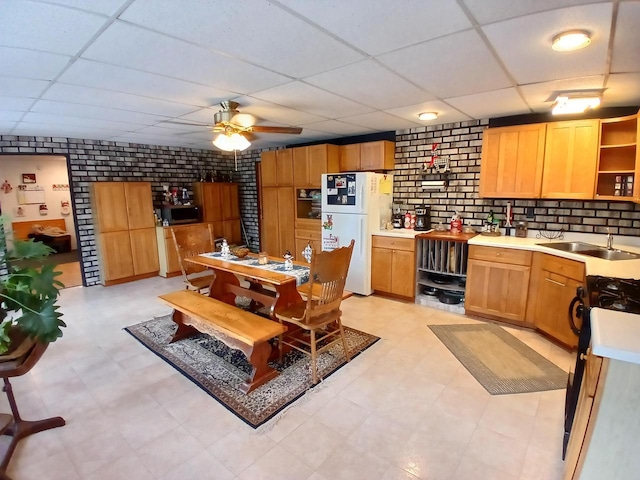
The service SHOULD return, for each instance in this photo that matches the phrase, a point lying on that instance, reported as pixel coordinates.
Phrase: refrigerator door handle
(363, 229)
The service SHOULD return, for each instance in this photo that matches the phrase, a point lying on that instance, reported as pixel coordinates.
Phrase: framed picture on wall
(28, 178)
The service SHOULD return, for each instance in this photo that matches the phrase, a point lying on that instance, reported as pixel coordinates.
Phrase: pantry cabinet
(512, 161)
(570, 159)
(309, 163)
(393, 266)
(368, 156)
(498, 283)
(276, 168)
(220, 205)
(277, 234)
(125, 231)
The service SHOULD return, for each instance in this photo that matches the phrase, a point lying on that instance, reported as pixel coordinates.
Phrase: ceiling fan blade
(187, 123)
(263, 129)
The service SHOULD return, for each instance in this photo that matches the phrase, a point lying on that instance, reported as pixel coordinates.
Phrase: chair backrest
(190, 241)
(327, 277)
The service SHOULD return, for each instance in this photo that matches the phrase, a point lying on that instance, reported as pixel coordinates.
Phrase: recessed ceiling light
(566, 104)
(571, 40)
(428, 116)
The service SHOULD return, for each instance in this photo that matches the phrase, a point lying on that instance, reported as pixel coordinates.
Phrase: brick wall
(462, 142)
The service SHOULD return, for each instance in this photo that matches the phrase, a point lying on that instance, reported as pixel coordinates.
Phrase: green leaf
(24, 249)
(44, 324)
(5, 341)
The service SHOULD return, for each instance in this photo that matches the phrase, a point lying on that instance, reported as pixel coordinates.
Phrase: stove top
(621, 294)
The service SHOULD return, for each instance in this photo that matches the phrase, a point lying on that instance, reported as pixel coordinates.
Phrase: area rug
(498, 360)
(220, 371)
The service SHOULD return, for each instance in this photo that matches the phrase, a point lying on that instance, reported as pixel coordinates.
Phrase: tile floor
(404, 409)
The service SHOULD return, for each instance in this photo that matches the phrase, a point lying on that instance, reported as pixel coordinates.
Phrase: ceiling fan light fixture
(231, 142)
(571, 40)
(565, 104)
(427, 116)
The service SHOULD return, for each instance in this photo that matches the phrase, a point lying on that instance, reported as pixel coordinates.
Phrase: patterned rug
(220, 371)
(498, 360)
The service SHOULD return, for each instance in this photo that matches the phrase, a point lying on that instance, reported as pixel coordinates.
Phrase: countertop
(615, 334)
(399, 233)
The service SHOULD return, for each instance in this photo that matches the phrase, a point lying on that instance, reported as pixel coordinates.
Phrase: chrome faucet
(609, 240)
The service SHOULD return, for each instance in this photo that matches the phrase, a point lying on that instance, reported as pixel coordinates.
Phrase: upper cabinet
(512, 161)
(309, 163)
(277, 168)
(619, 159)
(570, 159)
(366, 157)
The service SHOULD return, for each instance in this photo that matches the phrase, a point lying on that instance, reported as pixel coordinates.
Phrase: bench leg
(183, 331)
(261, 373)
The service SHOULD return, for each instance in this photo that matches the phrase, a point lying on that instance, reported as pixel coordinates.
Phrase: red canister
(456, 225)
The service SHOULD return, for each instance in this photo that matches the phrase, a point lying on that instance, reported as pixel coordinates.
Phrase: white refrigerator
(355, 205)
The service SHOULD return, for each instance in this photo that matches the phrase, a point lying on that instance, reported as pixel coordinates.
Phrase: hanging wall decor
(28, 178)
(6, 187)
(65, 208)
(43, 209)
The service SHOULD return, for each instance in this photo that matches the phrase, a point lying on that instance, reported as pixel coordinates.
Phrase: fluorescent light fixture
(566, 104)
(428, 116)
(232, 142)
(571, 40)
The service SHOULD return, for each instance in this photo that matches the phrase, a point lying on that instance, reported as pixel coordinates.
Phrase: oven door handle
(579, 309)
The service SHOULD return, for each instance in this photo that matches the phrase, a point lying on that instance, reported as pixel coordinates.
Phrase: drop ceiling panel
(41, 26)
(93, 112)
(47, 118)
(622, 90)
(105, 7)
(15, 103)
(488, 11)
(156, 140)
(336, 127)
(58, 130)
(257, 31)
(130, 46)
(380, 121)
(446, 113)
(11, 116)
(454, 65)
(21, 87)
(307, 98)
(119, 79)
(531, 36)
(537, 95)
(626, 45)
(375, 28)
(498, 103)
(18, 62)
(6, 126)
(370, 83)
(103, 98)
(267, 112)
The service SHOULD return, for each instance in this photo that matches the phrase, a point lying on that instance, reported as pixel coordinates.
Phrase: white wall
(49, 170)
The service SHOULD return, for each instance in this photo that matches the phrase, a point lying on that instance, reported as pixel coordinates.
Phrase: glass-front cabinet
(308, 204)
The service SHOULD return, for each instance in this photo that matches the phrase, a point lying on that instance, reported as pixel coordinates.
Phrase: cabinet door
(268, 169)
(116, 260)
(232, 231)
(110, 206)
(144, 250)
(300, 167)
(350, 158)
(497, 289)
(218, 229)
(318, 163)
(139, 205)
(301, 244)
(286, 220)
(229, 201)
(173, 265)
(269, 226)
(570, 159)
(512, 160)
(555, 293)
(212, 200)
(403, 273)
(377, 155)
(381, 262)
(284, 160)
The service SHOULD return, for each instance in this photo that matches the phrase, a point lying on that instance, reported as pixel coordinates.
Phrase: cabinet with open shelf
(618, 164)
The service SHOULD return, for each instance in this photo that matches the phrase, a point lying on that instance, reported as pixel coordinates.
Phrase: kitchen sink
(590, 250)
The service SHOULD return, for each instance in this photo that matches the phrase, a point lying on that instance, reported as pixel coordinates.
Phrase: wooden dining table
(270, 288)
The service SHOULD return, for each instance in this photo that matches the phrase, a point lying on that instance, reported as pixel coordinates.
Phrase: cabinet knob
(583, 356)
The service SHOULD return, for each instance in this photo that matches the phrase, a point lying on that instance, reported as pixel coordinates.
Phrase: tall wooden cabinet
(220, 207)
(570, 158)
(368, 156)
(512, 161)
(277, 221)
(125, 231)
(276, 168)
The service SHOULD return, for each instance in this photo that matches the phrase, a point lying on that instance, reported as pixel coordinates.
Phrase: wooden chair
(190, 241)
(318, 318)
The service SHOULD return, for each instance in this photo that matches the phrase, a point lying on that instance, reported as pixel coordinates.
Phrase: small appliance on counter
(398, 217)
(423, 219)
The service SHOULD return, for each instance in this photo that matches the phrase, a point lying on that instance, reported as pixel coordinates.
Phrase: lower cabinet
(130, 253)
(497, 283)
(307, 231)
(393, 266)
(277, 220)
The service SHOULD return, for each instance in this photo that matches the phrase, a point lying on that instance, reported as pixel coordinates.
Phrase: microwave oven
(181, 214)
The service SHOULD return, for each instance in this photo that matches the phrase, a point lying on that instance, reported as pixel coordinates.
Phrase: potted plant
(28, 295)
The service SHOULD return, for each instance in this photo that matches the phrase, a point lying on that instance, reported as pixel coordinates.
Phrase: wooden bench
(236, 328)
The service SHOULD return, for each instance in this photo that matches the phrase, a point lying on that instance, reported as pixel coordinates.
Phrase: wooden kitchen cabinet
(497, 283)
(512, 161)
(570, 159)
(606, 425)
(555, 281)
(127, 245)
(368, 156)
(309, 163)
(276, 168)
(277, 220)
(393, 266)
(305, 233)
(220, 205)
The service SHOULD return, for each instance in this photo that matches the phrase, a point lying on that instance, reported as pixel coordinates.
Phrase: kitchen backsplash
(461, 142)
